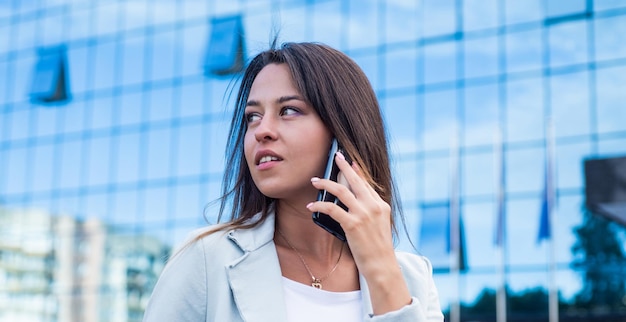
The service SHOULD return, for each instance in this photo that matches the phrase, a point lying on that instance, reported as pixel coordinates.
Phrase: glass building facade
(114, 114)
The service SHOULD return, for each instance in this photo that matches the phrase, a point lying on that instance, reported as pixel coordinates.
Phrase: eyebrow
(280, 100)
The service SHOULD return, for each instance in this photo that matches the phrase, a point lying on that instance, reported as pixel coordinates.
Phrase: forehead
(273, 79)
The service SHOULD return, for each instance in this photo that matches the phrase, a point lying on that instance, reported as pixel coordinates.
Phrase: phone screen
(331, 173)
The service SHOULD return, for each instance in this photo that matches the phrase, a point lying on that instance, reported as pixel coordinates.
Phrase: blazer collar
(255, 277)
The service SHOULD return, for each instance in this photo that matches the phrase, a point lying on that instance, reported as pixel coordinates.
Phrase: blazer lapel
(255, 278)
(365, 297)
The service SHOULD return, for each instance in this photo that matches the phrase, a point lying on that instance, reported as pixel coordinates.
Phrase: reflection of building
(57, 268)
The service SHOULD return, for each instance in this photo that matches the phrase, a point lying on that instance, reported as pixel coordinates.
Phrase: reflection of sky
(114, 152)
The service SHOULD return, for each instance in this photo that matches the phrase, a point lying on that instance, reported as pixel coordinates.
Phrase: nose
(266, 129)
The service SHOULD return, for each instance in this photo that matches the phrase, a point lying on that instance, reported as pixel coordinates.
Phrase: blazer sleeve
(424, 307)
(181, 291)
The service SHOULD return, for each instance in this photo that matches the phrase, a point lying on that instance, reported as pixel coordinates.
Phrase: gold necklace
(315, 282)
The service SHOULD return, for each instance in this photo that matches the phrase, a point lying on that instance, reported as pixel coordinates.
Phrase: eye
(289, 110)
(252, 117)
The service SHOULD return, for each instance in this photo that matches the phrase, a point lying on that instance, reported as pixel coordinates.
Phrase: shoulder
(414, 262)
(417, 270)
(209, 243)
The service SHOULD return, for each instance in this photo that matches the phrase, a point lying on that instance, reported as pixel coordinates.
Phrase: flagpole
(500, 240)
(553, 306)
(455, 307)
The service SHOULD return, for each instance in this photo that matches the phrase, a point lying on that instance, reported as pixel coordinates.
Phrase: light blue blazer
(235, 276)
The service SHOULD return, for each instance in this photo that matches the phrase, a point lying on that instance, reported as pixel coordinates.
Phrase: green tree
(599, 257)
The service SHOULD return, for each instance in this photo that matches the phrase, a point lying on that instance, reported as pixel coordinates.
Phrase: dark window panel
(50, 83)
(225, 54)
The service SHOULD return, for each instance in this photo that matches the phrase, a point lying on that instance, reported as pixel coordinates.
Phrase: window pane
(561, 8)
(135, 14)
(124, 210)
(159, 152)
(131, 108)
(127, 157)
(102, 113)
(107, 17)
(218, 134)
(522, 229)
(525, 171)
(164, 46)
(568, 43)
(611, 97)
(524, 51)
(71, 164)
(479, 224)
(364, 26)
(188, 203)
(570, 104)
(608, 4)
(401, 120)
(42, 171)
(400, 68)
(439, 17)
(192, 99)
(480, 14)
(525, 110)
(481, 57)
(133, 59)
(436, 179)
(20, 122)
(439, 119)
(406, 174)
(440, 63)
(523, 11)
(190, 144)
(401, 21)
(608, 34)
(160, 104)
(481, 114)
(192, 49)
(47, 120)
(569, 160)
(478, 174)
(17, 165)
(77, 68)
(104, 65)
(156, 203)
(98, 155)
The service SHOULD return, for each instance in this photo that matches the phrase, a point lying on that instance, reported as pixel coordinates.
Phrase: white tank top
(308, 304)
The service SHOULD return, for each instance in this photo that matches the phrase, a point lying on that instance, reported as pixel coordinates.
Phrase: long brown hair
(343, 97)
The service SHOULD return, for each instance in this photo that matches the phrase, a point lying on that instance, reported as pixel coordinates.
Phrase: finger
(359, 172)
(331, 209)
(357, 183)
(340, 191)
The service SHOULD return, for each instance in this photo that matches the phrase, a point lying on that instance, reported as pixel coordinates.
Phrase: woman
(270, 260)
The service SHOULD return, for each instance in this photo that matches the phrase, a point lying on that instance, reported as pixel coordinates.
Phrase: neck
(309, 239)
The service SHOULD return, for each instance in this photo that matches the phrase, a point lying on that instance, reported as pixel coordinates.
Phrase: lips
(266, 156)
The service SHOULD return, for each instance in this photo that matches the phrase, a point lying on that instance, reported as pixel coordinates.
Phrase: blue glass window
(225, 54)
(435, 241)
(49, 83)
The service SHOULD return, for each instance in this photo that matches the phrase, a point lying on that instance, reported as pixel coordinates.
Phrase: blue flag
(547, 199)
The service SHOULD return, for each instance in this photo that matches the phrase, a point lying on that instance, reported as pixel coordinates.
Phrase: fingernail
(315, 179)
(309, 205)
(340, 155)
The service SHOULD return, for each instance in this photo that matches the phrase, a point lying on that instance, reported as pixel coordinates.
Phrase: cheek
(248, 149)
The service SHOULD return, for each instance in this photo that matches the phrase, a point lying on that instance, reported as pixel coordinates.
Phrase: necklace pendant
(316, 283)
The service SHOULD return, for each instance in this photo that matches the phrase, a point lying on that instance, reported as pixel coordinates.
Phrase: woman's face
(286, 143)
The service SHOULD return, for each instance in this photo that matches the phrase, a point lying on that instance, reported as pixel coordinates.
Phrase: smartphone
(332, 172)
